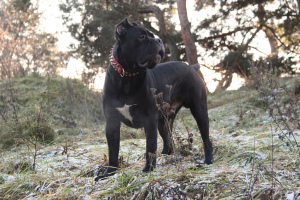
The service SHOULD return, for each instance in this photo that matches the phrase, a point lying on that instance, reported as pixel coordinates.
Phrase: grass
(247, 165)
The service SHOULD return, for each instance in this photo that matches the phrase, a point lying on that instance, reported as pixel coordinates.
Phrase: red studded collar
(118, 67)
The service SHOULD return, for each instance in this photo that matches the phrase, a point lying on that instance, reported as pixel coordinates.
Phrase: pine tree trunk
(272, 41)
(268, 30)
(188, 39)
(190, 47)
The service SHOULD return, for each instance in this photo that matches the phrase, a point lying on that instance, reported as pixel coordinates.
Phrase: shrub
(281, 101)
(28, 129)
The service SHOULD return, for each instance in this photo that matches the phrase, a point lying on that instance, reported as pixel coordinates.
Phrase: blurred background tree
(24, 47)
(279, 20)
(225, 35)
(95, 31)
(33, 100)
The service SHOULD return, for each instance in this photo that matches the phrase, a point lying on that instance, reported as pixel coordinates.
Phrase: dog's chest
(131, 114)
(125, 111)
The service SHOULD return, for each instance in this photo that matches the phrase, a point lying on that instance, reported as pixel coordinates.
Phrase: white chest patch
(125, 112)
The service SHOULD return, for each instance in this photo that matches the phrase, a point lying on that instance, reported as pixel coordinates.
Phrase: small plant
(183, 145)
(29, 127)
(19, 167)
(282, 103)
(166, 111)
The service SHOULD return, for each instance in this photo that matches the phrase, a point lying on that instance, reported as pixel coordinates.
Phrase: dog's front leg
(113, 141)
(151, 145)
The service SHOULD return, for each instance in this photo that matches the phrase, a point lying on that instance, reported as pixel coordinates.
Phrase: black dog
(129, 94)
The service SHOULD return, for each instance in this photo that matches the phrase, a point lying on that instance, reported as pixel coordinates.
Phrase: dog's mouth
(151, 63)
(143, 64)
(146, 63)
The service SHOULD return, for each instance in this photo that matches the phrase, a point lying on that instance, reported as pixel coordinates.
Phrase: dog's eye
(143, 36)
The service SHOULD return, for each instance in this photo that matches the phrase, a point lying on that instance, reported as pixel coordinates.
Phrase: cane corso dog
(141, 93)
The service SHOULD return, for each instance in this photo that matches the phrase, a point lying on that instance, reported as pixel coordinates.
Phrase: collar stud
(118, 67)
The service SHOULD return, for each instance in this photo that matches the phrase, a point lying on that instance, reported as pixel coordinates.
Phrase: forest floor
(254, 158)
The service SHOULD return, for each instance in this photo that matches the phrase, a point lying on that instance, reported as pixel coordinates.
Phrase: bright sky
(260, 42)
(52, 23)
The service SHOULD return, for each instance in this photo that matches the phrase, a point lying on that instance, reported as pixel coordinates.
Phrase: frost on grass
(250, 161)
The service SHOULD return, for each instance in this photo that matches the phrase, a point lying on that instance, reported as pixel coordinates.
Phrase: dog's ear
(122, 28)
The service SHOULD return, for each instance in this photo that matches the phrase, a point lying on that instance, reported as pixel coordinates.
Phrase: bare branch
(225, 34)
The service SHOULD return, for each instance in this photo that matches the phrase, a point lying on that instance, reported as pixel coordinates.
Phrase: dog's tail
(196, 67)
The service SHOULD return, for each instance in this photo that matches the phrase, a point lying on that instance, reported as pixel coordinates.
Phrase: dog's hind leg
(199, 111)
(165, 127)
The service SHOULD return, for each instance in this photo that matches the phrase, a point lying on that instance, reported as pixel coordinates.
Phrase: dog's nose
(159, 40)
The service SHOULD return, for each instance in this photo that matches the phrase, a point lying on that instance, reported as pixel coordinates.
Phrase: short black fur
(129, 100)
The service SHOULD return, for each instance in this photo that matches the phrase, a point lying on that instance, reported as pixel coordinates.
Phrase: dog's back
(175, 73)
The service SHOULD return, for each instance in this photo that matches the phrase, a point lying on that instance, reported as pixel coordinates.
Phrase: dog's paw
(106, 172)
(208, 160)
(148, 168)
(100, 178)
(105, 176)
(167, 151)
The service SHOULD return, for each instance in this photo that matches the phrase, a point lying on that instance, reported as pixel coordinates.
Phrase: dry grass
(251, 161)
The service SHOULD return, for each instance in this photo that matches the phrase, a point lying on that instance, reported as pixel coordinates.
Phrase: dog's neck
(118, 67)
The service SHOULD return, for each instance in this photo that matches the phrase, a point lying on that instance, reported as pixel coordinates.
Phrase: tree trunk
(226, 79)
(190, 47)
(269, 31)
(273, 41)
(188, 39)
(224, 83)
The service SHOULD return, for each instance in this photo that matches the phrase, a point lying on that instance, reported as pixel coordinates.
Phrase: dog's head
(138, 46)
